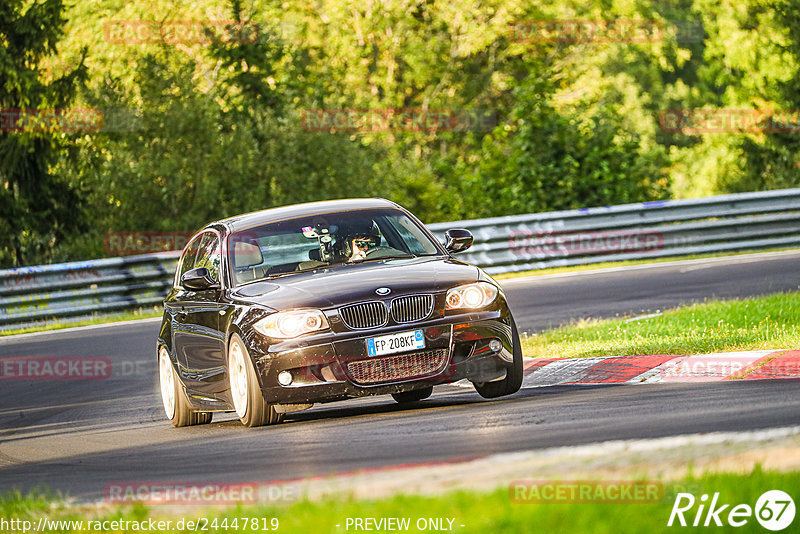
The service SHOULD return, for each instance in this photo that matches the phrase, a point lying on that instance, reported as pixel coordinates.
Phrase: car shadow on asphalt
(444, 397)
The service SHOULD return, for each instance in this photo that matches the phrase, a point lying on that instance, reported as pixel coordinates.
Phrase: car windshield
(307, 243)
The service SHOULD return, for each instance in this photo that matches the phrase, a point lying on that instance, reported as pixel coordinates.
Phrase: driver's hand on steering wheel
(360, 246)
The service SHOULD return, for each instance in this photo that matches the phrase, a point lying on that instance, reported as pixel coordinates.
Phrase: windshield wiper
(278, 275)
(391, 257)
(321, 265)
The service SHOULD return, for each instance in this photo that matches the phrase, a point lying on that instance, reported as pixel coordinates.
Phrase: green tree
(545, 159)
(209, 143)
(773, 161)
(577, 123)
(750, 61)
(37, 208)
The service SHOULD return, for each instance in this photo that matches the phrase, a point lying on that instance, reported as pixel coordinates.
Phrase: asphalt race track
(80, 435)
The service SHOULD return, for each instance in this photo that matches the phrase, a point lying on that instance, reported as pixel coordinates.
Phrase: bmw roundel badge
(383, 291)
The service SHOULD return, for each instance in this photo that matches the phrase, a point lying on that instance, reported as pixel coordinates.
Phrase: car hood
(342, 284)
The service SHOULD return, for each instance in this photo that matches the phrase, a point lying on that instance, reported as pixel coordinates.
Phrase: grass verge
(718, 326)
(100, 319)
(469, 512)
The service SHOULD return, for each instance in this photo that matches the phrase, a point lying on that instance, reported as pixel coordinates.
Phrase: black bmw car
(273, 311)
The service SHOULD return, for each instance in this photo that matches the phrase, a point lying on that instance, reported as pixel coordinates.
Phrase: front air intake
(396, 368)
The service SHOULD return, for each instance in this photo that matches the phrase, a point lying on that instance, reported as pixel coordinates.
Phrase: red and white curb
(749, 365)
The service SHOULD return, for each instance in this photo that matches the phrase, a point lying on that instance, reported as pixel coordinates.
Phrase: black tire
(177, 408)
(513, 380)
(413, 395)
(248, 402)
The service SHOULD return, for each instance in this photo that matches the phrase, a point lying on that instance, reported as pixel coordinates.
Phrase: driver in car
(359, 247)
(358, 240)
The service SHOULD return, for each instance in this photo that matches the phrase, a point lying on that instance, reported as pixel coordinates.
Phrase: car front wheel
(513, 380)
(248, 402)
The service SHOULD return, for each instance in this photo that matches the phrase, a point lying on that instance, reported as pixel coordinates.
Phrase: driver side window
(188, 258)
(208, 255)
(203, 251)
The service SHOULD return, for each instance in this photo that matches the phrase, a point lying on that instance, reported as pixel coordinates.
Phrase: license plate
(378, 346)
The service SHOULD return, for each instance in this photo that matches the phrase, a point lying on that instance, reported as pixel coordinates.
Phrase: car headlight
(477, 295)
(289, 324)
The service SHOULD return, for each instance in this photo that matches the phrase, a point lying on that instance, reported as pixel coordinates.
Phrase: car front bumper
(337, 366)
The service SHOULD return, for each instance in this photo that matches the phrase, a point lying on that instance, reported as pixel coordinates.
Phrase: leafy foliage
(37, 207)
(200, 130)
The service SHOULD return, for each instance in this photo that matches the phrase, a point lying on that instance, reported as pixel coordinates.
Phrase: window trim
(198, 237)
(388, 210)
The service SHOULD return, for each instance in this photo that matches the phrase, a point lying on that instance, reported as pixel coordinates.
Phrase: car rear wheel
(176, 404)
(248, 402)
(513, 380)
(413, 396)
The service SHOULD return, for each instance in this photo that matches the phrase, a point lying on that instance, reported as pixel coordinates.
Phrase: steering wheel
(384, 250)
(379, 248)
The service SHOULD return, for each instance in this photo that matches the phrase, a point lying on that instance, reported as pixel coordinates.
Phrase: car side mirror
(457, 240)
(198, 279)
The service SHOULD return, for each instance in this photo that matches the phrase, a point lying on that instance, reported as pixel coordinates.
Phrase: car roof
(258, 218)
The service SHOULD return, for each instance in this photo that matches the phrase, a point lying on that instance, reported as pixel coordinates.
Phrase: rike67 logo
(774, 510)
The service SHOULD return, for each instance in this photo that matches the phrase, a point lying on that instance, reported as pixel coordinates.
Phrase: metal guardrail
(33, 295)
(747, 221)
